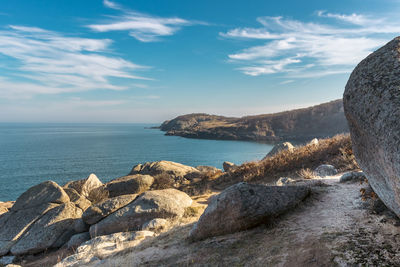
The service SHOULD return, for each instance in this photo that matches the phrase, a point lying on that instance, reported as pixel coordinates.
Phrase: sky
(147, 61)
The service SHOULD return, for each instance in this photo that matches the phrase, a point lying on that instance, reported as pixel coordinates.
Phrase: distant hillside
(319, 121)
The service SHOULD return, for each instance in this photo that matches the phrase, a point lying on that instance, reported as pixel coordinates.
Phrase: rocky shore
(321, 121)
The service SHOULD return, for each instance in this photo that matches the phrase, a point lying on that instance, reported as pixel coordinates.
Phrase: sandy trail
(331, 228)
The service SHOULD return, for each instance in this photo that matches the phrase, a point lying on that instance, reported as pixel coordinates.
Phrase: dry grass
(298, 163)
(163, 181)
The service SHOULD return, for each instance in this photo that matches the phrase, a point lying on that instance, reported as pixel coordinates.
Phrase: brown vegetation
(298, 163)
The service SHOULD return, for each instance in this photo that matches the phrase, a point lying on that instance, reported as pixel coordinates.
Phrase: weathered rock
(325, 170)
(46, 192)
(156, 225)
(131, 184)
(352, 177)
(78, 239)
(6, 260)
(314, 142)
(80, 201)
(243, 206)
(80, 226)
(372, 107)
(167, 204)
(85, 186)
(284, 181)
(52, 230)
(102, 246)
(6, 206)
(102, 209)
(280, 147)
(28, 208)
(172, 169)
(227, 166)
(208, 169)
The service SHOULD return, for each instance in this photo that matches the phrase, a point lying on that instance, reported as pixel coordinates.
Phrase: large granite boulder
(243, 206)
(372, 107)
(131, 184)
(102, 209)
(280, 147)
(353, 177)
(175, 170)
(28, 208)
(52, 230)
(77, 239)
(85, 186)
(166, 204)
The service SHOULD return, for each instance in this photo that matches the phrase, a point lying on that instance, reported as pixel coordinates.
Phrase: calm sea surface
(32, 153)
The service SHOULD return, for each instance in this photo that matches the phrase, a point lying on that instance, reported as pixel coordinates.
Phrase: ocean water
(33, 153)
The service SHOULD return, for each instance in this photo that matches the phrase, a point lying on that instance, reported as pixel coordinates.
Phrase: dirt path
(330, 229)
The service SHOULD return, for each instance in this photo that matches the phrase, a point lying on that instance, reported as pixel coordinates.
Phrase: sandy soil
(332, 228)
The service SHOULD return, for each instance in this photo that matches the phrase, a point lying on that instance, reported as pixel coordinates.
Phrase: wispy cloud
(143, 27)
(310, 49)
(46, 62)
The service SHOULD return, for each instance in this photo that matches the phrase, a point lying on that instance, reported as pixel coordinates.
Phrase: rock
(6, 260)
(313, 142)
(243, 206)
(46, 192)
(52, 230)
(6, 206)
(167, 204)
(85, 186)
(352, 177)
(325, 170)
(156, 225)
(371, 104)
(102, 209)
(227, 166)
(80, 201)
(280, 147)
(80, 226)
(132, 184)
(175, 170)
(284, 181)
(78, 239)
(208, 169)
(28, 208)
(102, 246)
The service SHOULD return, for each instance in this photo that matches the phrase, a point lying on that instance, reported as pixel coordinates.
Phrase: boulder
(131, 184)
(175, 170)
(227, 166)
(28, 208)
(46, 192)
(52, 230)
(78, 239)
(372, 108)
(85, 186)
(313, 142)
(167, 204)
(156, 225)
(102, 246)
(102, 209)
(280, 147)
(284, 181)
(243, 206)
(352, 177)
(80, 201)
(325, 170)
(6, 260)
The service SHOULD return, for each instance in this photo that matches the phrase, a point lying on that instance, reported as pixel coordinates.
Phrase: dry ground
(331, 228)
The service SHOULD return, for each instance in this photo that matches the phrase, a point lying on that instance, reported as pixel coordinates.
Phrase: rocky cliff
(323, 120)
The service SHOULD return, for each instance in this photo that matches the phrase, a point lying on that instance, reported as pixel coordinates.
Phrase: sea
(31, 153)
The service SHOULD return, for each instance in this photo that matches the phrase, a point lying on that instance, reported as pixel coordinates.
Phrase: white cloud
(324, 49)
(50, 63)
(143, 27)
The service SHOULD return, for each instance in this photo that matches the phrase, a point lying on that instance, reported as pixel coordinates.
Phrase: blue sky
(147, 61)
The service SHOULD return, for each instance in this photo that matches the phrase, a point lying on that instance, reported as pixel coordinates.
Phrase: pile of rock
(48, 216)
